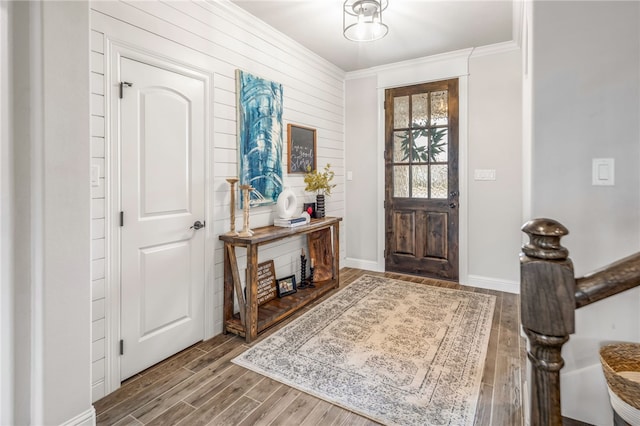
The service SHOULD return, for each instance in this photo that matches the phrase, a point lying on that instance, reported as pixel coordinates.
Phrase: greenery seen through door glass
(422, 153)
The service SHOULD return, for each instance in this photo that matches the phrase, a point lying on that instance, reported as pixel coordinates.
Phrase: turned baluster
(547, 295)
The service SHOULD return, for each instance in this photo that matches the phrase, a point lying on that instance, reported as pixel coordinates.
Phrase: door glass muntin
(423, 146)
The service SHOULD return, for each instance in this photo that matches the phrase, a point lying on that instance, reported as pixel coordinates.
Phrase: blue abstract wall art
(259, 137)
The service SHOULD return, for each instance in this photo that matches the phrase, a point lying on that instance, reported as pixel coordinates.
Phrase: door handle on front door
(197, 225)
(452, 196)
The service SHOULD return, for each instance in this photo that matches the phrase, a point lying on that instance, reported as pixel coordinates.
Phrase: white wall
(219, 38)
(48, 147)
(490, 137)
(24, 74)
(495, 142)
(586, 91)
(65, 212)
(362, 158)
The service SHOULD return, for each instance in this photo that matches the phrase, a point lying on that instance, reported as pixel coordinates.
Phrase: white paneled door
(162, 131)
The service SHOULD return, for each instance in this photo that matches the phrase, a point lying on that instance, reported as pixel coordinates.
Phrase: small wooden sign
(266, 282)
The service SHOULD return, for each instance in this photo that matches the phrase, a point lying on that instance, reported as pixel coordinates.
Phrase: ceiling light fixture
(362, 19)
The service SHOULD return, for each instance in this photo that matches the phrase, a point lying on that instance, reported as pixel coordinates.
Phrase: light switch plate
(603, 172)
(349, 175)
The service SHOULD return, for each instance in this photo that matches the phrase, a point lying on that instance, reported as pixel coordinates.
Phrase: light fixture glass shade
(362, 20)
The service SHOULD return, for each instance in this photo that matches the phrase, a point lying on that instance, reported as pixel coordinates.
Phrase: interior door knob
(197, 225)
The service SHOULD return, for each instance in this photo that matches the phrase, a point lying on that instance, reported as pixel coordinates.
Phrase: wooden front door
(421, 176)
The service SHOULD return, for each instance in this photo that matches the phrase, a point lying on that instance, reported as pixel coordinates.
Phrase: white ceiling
(417, 28)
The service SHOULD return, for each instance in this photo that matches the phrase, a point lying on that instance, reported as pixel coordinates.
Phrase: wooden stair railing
(549, 296)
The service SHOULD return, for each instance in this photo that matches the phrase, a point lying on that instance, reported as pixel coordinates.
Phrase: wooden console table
(252, 319)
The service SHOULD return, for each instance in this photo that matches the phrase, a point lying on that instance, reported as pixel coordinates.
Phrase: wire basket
(622, 358)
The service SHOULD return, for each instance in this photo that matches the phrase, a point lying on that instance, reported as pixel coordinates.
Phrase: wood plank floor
(200, 385)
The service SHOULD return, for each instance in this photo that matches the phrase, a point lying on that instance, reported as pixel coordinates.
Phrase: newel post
(547, 297)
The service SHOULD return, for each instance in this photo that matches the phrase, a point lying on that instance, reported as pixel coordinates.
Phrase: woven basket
(617, 358)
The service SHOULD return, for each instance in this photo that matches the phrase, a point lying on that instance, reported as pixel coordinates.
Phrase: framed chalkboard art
(301, 146)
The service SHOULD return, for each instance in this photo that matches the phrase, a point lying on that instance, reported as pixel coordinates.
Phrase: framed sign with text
(301, 147)
(266, 282)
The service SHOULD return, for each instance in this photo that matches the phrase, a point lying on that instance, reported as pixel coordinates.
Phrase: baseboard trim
(472, 280)
(367, 265)
(87, 418)
(494, 284)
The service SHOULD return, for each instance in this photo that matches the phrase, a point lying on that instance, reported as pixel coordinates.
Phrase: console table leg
(336, 254)
(228, 286)
(233, 261)
(251, 317)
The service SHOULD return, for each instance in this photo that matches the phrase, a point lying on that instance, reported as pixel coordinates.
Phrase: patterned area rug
(397, 352)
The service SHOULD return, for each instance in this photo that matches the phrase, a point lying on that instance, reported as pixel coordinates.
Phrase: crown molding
(490, 49)
(495, 49)
(426, 60)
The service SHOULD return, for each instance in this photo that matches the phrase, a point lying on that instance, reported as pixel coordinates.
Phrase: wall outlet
(484, 174)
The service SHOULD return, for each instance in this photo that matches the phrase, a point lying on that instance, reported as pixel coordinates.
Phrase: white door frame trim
(114, 50)
(423, 70)
(7, 364)
(37, 211)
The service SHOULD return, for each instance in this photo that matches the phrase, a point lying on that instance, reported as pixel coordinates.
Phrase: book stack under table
(290, 223)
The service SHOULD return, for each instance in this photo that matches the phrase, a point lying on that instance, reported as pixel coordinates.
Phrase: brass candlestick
(246, 232)
(232, 218)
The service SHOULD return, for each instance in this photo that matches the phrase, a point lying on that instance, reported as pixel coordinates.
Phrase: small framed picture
(286, 286)
(310, 206)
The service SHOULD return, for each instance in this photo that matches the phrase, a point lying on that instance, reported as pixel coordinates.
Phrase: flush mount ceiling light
(362, 19)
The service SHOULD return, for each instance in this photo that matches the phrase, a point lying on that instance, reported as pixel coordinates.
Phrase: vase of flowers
(320, 183)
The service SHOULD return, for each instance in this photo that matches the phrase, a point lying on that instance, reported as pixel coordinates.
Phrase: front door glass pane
(401, 112)
(401, 143)
(439, 145)
(420, 146)
(420, 187)
(420, 110)
(439, 181)
(439, 108)
(401, 181)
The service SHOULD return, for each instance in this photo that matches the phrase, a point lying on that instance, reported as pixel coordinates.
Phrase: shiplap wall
(219, 38)
(98, 242)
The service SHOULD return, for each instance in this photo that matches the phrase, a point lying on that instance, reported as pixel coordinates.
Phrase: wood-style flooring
(200, 386)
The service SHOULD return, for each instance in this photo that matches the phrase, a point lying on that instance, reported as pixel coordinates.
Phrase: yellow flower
(319, 182)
